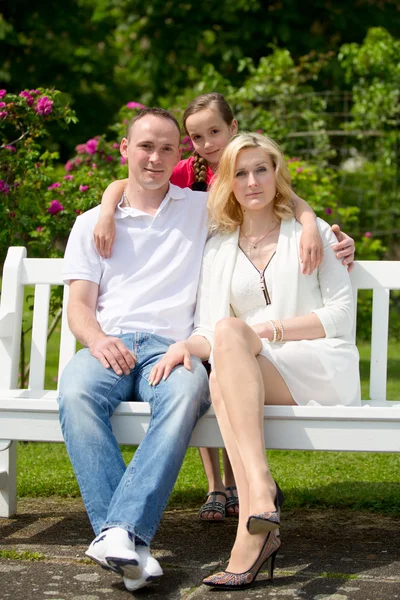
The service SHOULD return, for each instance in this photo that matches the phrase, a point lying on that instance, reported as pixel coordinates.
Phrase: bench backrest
(19, 271)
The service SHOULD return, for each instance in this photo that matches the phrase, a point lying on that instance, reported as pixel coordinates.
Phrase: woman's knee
(228, 333)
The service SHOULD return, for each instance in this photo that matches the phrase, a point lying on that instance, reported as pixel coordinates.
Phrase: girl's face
(254, 183)
(210, 134)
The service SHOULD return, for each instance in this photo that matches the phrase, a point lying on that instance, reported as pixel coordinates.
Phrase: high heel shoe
(234, 581)
(267, 521)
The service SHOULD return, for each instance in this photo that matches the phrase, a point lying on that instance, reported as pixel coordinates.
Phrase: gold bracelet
(281, 330)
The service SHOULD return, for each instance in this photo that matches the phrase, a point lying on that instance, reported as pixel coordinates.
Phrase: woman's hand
(345, 249)
(176, 354)
(104, 235)
(311, 249)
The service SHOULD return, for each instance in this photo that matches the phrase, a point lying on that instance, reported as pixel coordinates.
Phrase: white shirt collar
(173, 193)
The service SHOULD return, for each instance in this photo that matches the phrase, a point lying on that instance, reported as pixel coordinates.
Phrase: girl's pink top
(183, 173)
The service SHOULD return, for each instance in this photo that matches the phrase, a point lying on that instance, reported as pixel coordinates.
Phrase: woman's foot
(214, 507)
(245, 552)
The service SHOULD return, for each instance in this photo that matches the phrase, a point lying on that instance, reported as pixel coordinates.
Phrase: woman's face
(254, 183)
(210, 134)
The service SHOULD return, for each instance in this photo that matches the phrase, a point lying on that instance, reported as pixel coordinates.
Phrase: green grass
(310, 479)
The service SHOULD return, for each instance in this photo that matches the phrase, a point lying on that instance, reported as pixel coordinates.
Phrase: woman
(209, 122)
(263, 324)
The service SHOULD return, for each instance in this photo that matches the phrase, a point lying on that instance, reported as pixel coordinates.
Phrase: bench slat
(379, 343)
(39, 337)
(67, 341)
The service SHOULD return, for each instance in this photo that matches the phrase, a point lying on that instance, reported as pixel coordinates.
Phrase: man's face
(152, 151)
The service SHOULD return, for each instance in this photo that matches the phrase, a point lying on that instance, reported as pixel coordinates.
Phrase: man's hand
(112, 352)
(345, 249)
(176, 354)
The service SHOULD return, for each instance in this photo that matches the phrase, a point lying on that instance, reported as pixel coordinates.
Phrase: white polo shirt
(149, 283)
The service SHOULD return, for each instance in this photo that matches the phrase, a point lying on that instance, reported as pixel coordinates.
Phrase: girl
(209, 122)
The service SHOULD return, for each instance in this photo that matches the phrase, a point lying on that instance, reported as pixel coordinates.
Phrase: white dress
(315, 371)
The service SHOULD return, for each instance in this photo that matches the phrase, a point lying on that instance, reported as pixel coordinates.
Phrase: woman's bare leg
(210, 459)
(243, 379)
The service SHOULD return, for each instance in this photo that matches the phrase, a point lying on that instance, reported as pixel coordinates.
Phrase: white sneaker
(97, 551)
(113, 549)
(121, 555)
(151, 569)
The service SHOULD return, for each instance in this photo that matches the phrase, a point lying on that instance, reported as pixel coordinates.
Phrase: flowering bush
(26, 168)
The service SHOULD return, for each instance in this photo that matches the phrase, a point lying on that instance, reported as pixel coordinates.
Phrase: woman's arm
(311, 247)
(104, 232)
(307, 327)
(345, 249)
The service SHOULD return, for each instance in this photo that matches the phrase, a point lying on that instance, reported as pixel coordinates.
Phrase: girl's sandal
(232, 500)
(213, 505)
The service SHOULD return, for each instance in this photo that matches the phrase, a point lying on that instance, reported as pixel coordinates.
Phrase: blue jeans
(132, 497)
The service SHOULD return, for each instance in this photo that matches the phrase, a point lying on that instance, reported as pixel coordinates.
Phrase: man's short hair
(157, 112)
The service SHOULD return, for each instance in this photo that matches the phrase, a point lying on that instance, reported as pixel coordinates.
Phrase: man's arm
(110, 351)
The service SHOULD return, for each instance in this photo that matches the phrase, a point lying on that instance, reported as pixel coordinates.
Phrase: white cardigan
(327, 292)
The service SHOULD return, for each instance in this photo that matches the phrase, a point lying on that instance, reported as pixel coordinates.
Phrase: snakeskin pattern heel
(234, 581)
(267, 521)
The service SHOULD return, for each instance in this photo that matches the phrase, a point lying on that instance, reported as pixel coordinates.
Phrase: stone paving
(325, 555)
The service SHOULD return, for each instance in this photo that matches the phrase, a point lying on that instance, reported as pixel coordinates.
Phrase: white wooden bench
(32, 414)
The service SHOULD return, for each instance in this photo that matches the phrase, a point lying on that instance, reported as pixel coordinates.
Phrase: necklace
(255, 244)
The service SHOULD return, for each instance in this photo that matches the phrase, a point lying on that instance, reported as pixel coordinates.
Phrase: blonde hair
(224, 211)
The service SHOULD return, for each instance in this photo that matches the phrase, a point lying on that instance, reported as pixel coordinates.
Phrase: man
(127, 310)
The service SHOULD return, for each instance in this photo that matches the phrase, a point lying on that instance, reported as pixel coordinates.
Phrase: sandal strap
(232, 499)
(214, 504)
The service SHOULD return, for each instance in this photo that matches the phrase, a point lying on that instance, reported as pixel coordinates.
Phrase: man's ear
(123, 148)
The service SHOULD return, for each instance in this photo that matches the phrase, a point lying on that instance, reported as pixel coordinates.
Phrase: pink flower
(299, 170)
(68, 177)
(328, 210)
(81, 148)
(4, 186)
(10, 148)
(115, 145)
(367, 234)
(109, 158)
(3, 114)
(3, 93)
(39, 229)
(91, 146)
(55, 207)
(54, 185)
(30, 99)
(135, 105)
(78, 211)
(44, 106)
(260, 131)
(2, 104)
(69, 165)
(83, 188)
(123, 160)
(36, 92)
(78, 161)
(12, 214)
(90, 173)
(94, 166)
(37, 165)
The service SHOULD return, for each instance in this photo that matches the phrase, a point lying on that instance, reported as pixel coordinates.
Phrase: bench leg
(8, 478)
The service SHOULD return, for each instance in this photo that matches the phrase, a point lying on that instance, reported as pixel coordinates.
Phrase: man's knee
(189, 389)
